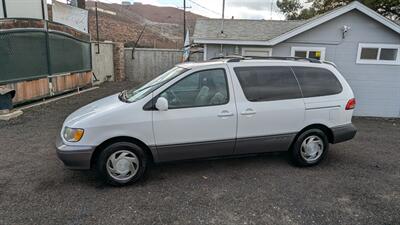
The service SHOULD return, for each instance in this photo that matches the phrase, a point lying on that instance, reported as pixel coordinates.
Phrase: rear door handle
(248, 112)
(225, 113)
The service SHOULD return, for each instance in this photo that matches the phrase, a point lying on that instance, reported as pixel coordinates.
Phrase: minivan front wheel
(310, 148)
(122, 163)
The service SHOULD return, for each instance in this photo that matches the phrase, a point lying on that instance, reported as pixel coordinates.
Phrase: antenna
(272, 6)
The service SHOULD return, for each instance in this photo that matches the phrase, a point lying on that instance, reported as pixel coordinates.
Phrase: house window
(309, 52)
(378, 54)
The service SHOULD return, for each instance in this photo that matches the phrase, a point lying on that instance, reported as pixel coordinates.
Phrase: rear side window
(268, 83)
(317, 81)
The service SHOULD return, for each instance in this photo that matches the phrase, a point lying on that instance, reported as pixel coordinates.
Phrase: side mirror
(162, 104)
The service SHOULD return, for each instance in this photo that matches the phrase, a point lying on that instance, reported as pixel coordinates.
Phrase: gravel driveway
(358, 183)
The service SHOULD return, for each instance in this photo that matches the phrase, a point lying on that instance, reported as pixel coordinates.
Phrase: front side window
(309, 52)
(378, 54)
(204, 88)
(316, 82)
(268, 83)
(139, 93)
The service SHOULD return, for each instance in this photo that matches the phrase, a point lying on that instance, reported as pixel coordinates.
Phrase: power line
(203, 7)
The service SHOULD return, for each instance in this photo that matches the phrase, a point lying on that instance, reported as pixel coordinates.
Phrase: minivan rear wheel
(122, 163)
(310, 148)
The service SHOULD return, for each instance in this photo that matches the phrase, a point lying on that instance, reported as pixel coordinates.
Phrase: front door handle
(248, 112)
(225, 113)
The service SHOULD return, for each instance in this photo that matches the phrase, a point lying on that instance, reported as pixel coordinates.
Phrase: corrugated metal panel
(71, 81)
(30, 90)
(38, 89)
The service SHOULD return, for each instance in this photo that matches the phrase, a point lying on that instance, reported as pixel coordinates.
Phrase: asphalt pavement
(358, 183)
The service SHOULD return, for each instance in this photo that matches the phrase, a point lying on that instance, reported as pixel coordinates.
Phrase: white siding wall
(376, 87)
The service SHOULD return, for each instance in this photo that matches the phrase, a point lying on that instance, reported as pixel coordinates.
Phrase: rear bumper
(74, 157)
(343, 133)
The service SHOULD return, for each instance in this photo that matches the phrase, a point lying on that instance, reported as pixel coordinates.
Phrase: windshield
(141, 92)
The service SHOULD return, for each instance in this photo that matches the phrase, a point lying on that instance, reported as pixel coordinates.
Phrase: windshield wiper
(123, 96)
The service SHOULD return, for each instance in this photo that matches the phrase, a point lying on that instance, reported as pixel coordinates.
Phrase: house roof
(270, 32)
(235, 29)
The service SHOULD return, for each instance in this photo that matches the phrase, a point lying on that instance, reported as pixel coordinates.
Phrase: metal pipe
(43, 12)
(223, 16)
(97, 29)
(184, 22)
(4, 9)
(137, 41)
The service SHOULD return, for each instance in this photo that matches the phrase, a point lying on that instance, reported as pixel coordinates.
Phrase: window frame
(151, 104)
(308, 50)
(260, 101)
(378, 61)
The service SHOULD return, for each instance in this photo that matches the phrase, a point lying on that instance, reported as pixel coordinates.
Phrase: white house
(364, 45)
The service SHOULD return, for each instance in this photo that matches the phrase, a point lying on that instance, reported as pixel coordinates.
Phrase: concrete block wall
(103, 61)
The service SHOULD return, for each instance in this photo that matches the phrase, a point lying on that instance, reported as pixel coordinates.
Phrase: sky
(239, 9)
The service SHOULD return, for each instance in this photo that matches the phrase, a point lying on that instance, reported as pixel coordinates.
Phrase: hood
(94, 109)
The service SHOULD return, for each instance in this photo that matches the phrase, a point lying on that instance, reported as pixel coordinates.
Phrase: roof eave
(309, 25)
(333, 14)
(230, 42)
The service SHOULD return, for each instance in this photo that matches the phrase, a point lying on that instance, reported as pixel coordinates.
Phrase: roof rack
(229, 57)
(329, 63)
(239, 58)
(290, 58)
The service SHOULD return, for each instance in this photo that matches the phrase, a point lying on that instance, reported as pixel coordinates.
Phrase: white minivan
(222, 107)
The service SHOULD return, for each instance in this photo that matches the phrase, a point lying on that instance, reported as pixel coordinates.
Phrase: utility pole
(184, 22)
(97, 29)
(223, 16)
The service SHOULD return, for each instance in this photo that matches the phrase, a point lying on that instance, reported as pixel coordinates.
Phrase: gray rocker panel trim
(240, 146)
(270, 143)
(195, 150)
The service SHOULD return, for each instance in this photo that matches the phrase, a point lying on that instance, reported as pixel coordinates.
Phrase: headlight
(73, 134)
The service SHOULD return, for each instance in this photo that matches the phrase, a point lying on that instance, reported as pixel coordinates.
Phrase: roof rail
(330, 63)
(311, 60)
(229, 57)
(239, 58)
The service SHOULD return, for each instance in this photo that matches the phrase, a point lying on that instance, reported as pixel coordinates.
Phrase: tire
(310, 148)
(122, 163)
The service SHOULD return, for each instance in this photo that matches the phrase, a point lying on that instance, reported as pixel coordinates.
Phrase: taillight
(351, 104)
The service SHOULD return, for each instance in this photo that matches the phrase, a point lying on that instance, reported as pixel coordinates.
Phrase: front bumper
(343, 133)
(74, 157)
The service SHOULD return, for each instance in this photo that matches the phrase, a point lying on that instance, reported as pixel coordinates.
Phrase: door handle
(225, 114)
(248, 112)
